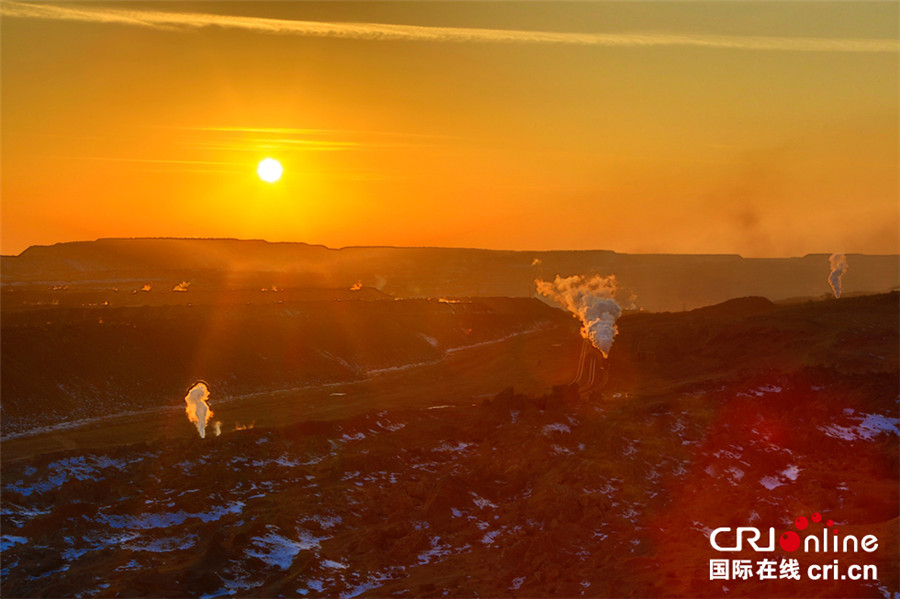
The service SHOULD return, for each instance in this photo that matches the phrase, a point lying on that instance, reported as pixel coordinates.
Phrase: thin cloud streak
(151, 160)
(171, 21)
(320, 132)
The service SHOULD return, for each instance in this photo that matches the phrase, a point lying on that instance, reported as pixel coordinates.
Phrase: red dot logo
(801, 523)
(829, 523)
(789, 541)
(817, 517)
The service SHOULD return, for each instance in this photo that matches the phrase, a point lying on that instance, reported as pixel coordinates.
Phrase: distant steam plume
(592, 300)
(182, 286)
(196, 408)
(838, 268)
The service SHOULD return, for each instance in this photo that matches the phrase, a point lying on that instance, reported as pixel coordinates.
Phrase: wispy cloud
(176, 21)
(284, 139)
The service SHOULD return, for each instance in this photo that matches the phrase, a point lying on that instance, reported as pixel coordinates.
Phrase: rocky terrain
(65, 364)
(146, 271)
(742, 414)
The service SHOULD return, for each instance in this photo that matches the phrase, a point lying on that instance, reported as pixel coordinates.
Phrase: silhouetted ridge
(737, 307)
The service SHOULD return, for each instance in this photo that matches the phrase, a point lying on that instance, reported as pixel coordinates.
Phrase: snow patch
(458, 448)
(867, 428)
(8, 541)
(556, 427)
(770, 482)
(280, 551)
(148, 521)
(437, 552)
(791, 472)
(482, 502)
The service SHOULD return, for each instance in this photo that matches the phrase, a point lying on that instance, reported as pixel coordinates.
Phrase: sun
(269, 170)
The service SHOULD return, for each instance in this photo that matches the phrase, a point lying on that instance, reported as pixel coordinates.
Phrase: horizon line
(437, 247)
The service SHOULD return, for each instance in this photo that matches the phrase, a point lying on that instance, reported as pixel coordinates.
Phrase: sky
(764, 129)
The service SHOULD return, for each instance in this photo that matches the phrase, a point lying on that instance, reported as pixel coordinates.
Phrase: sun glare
(269, 170)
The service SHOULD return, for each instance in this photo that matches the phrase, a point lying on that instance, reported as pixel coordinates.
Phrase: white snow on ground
(760, 391)
(431, 340)
(280, 551)
(287, 461)
(166, 519)
(736, 474)
(867, 427)
(459, 447)
(163, 545)
(556, 427)
(488, 538)
(19, 515)
(791, 472)
(96, 544)
(481, 501)
(7, 541)
(83, 468)
(770, 389)
(770, 482)
(333, 564)
(391, 426)
(437, 552)
(373, 581)
(325, 522)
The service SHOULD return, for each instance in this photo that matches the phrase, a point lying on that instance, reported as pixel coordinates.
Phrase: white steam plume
(196, 408)
(838, 268)
(592, 300)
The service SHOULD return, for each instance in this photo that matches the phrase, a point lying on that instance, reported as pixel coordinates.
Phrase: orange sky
(765, 129)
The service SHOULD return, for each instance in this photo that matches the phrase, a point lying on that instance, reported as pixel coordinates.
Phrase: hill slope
(520, 495)
(658, 282)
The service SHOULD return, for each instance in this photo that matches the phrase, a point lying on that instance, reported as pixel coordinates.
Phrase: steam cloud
(592, 300)
(196, 408)
(838, 268)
